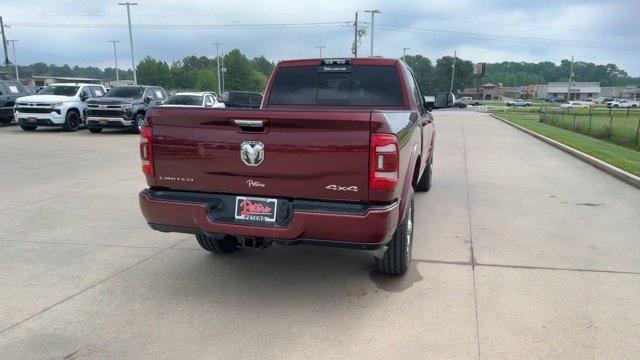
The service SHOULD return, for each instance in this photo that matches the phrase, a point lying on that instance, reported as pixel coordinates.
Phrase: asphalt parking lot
(521, 251)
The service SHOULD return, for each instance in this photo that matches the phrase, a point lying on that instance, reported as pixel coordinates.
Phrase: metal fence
(618, 126)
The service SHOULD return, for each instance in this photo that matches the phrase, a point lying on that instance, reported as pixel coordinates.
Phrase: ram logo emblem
(252, 152)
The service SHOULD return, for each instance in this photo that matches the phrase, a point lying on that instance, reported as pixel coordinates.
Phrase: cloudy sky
(77, 32)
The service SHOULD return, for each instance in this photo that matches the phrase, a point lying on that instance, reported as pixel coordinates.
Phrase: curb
(620, 174)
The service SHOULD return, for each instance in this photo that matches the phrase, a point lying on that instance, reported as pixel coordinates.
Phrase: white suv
(56, 105)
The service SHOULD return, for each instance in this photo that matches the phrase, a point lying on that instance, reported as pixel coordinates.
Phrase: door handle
(249, 123)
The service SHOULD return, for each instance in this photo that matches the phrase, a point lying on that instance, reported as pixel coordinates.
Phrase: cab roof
(338, 61)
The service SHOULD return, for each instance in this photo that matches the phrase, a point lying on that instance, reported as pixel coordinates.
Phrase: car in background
(9, 92)
(622, 103)
(574, 104)
(470, 102)
(519, 102)
(123, 107)
(459, 103)
(241, 99)
(551, 99)
(194, 99)
(60, 104)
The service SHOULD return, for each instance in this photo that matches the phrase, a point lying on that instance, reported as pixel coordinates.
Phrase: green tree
(424, 72)
(206, 80)
(153, 72)
(263, 65)
(240, 73)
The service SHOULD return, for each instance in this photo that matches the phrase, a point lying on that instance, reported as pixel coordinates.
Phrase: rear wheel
(398, 256)
(72, 121)
(424, 184)
(225, 245)
(28, 127)
(6, 120)
(95, 129)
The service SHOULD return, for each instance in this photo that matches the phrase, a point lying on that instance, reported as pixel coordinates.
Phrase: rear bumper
(320, 223)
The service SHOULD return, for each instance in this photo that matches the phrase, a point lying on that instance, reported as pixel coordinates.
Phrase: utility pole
(224, 71)
(13, 48)
(115, 58)
(453, 69)
(570, 79)
(217, 44)
(4, 43)
(373, 12)
(404, 53)
(320, 47)
(355, 37)
(133, 62)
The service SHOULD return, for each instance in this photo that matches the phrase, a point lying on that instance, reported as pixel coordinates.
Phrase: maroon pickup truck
(332, 157)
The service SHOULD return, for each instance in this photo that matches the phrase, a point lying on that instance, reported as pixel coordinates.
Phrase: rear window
(360, 85)
(195, 100)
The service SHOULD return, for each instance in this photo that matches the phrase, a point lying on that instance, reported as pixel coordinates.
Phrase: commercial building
(626, 92)
(577, 91)
(47, 80)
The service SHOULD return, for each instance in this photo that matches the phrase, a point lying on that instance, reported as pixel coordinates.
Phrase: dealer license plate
(256, 209)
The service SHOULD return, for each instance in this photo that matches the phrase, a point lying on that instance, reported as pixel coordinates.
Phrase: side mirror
(443, 100)
(83, 97)
(209, 104)
(147, 99)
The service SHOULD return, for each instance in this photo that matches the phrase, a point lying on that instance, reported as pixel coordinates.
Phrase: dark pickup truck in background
(9, 92)
(332, 158)
(123, 107)
(241, 99)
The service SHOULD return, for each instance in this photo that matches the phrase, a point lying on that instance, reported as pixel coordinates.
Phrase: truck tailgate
(306, 154)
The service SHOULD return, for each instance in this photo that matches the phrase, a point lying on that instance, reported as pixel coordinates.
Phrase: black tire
(72, 121)
(424, 183)
(6, 120)
(398, 256)
(95, 130)
(225, 245)
(138, 123)
(28, 127)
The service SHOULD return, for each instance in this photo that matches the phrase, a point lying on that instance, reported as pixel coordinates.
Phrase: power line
(510, 38)
(188, 15)
(503, 23)
(180, 26)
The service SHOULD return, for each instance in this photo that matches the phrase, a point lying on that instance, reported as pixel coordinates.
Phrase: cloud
(431, 28)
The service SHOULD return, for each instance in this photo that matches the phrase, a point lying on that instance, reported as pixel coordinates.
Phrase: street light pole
(133, 62)
(453, 70)
(373, 12)
(320, 47)
(13, 48)
(217, 44)
(404, 53)
(115, 58)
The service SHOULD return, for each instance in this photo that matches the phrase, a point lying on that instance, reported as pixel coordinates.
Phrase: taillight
(146, 150)
(385, 162)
